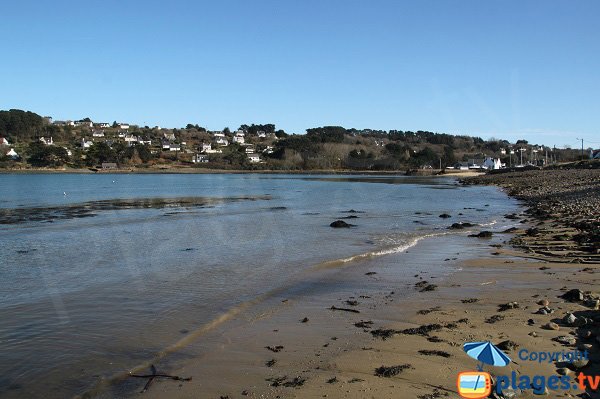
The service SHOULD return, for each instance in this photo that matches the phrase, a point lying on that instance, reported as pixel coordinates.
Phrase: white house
(261, 134)
(222, 141)
(130, 139)
(48, 141)
(145, 141)
(86, 143)
(174, 147)
(200, 158)
(98, 133)
(169, 136)
(12, 154)
(4, 141)
(206, 147)
(84, 123)
(492, 163)
(249, 150)
(123, 126)
(103, 125)
(268, 150)
(254, 158)
(238, 139)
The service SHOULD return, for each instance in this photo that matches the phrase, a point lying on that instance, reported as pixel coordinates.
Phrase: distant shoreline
(239, 171)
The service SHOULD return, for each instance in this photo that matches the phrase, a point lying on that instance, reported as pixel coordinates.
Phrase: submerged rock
(482, 234)
(461, 225)
(340, 224)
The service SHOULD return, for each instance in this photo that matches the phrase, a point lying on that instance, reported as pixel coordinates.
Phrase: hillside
(40, 142)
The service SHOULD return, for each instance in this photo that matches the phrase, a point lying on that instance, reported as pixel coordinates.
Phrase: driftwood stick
(154, 375)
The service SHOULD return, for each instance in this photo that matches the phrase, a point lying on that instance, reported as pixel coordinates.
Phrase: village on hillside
(28, 140)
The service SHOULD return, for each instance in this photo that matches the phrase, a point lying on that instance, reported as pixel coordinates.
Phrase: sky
(504, 69)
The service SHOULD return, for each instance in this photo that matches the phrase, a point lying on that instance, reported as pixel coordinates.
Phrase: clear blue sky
(508, 69)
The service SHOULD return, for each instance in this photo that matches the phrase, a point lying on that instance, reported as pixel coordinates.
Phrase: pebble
(580, 363)
(543, 302)
(570, 320)
(551, 326)
(565, 371)
(566, 340)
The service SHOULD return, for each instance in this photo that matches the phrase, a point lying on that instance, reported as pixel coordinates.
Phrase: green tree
(99, 153)
(18, 125)
(42, 155)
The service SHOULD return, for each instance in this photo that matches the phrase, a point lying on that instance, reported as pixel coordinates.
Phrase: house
(123, 126)
(86, 143)
(109, 165)
(594, 154)
(12, 154)
(174, 147)
(144, 141)
(4, 141)
(102, 125)
(238, 139)
(98, 133)
(254, 158)
(130, 139)
(166, 144)
(268, 150)
(122, 135)
(205, 147)
(492, 163)
(249, 150)
(48, 141)
(200, 158)
(169, 136)
(84, 123)
(261, 134)
(222, 141)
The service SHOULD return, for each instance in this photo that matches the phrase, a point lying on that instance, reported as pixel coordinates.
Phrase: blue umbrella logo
(486, 353)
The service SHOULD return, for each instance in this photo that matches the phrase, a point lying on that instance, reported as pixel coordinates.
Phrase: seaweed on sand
(390, 371)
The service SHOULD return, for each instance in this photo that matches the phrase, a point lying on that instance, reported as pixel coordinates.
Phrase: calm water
(87, 291)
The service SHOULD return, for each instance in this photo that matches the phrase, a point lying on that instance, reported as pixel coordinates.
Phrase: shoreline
(201, 171)
(468, 305)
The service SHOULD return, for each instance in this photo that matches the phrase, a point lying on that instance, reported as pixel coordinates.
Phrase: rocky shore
(564, 206)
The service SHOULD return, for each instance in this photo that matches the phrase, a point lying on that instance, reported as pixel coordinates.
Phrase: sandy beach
(380, 344)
